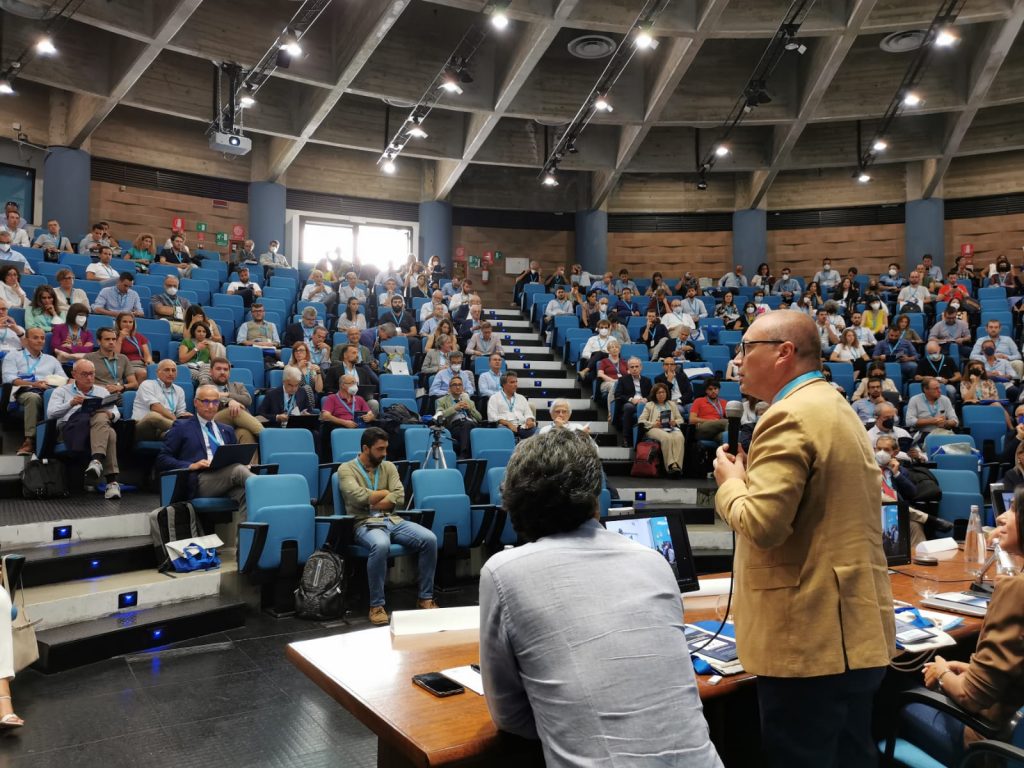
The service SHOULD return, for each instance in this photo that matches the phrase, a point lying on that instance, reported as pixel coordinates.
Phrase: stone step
(536, 365)
(542, 404)
(67, 561)
(506, 313)
(83, 529)
(522, 338)
(506, 324)
(614, 453)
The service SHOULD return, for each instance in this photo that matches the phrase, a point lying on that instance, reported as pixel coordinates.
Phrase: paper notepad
(467, 677)
(435, 620)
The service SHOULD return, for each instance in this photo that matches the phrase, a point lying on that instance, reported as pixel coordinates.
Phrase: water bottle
(975, 553)
(1004, 563)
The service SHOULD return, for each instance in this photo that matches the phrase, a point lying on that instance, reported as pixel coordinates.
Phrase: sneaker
(94, 470)
(378, 615)
(28, 447)
(426, 604)
(113, 491)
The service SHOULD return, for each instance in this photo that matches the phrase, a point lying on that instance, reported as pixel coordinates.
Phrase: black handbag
(43, 479)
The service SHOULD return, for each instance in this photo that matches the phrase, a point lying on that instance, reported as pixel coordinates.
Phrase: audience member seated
(191, 443)
(88, 429)
(113, 300)
(489, 382)
(194, 314)
(178, 256)
(71, 340)
(728, 311)
(352, 317)
(418, 286)
(864, 335)
(372, 491)
(53, 239)
(876, 317)
(29, 373)
(169, 243)
(351, 289)
(171, 307)
(680, 391)
(159, 403)
(345, 408)
(289, 399)
(631, 393)
(707, 413)
(827, 278)
(320, 350)
(43, 312)
(91, 243)
(302, 330)
(914, 297)
(885, 424)
(662, 420)
(846, 295)
(561, 418)
(259, 332)
(893, 349)
(787, 286)
(9, 254)
(235, 402)
(849, 350)
(977, 388)
(1005, 348)
(439, 385)
(997, 369)
(403, 321)
(429, 309)
(101, 271)
(11, 333)
(811, 300)
(318, 290)
(114, 372)
(609, 369)
(655, 337)
(930, 410)
(906, 332)
(198, 350)
(436, 358)
(456, 412)
(133, 345)
(990, 683)
(244, 287)
(556, 279)
(143, 251)
(734, 279)
(272, 257)
(312, 377)
(509, 409)
(536, 593)
(866, 407)
(625, 306)
(828, 334)
(348, 365)
(247, 254)
(951, 330)
(365, 358)
(468, 317)
(66, 292)
(593, 318)
(483, 343)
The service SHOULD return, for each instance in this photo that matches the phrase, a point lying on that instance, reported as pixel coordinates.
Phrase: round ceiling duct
(591, 46)
(903, 42)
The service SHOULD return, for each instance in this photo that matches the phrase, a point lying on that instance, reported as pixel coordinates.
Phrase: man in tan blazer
(814, 614)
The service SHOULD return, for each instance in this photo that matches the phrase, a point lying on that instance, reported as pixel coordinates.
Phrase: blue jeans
(410, 535)
(938, 734)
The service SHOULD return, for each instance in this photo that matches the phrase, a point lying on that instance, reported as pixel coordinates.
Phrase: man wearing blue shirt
(26, 371)
(1006, 349)
(439, 385)
(892, 280)
(490, 380)
(827, 278)
(6, 254)
(894, 348)
(734, 279)
(118, 298)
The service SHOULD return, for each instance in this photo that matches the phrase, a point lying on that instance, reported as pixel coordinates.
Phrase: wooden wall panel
(551, 249)
(869, 249)
(981, 175)
(990, 236)
(706, 254)
(132, 210)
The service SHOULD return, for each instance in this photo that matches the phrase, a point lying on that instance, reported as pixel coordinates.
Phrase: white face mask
(603, 307)
(456, 367)
(5, 247)
(602, 332)
(273, 249)
(892, 273)
(81, 320)
(827, 267)
(883, 458)
(785, 275)
(352, 389)
(875, 305)
(172, 291)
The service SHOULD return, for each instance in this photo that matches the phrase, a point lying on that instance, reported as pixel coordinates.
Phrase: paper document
(435, 620)
(467, 677)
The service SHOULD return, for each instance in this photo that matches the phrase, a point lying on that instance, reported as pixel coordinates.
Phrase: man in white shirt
(170, 306)
(272, 258)
(557, 306)
(864, 335)
(27, 372)
(10, 332)
(440, 311)
(734, 279)
(89, 430)
(489, 383)
(101, 270)
(13, 226)
(159, 403)
(7, 254)
(351, 289)
(429, 309)
(461, 297)
(317, 290)
(679, 323)
(53, 240)
(248, 290)
(692, 306)
(913, 297)
(885, 424)
(1006, 348)
(511, 410)
(827, 278)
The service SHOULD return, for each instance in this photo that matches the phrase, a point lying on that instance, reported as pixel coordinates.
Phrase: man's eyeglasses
(208, 402)
(744, 344)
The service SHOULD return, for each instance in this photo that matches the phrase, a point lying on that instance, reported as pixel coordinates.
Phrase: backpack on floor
(645, 464)
(172, 523)
(321, 592)
(43, 479)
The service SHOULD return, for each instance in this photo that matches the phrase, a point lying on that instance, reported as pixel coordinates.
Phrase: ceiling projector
(231, 143)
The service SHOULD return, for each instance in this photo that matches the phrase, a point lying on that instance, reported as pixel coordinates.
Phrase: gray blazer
(582, 646)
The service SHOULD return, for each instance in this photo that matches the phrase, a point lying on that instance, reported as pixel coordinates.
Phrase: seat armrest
(943, 703)
(424, 517)
(252, 538)
(264, 469)
(977, 751)
(489, 513)
(329, 530)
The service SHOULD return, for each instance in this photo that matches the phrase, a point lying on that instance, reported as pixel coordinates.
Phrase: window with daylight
(374, 244)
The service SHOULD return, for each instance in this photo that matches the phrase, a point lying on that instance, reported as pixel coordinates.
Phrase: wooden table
(369, 673)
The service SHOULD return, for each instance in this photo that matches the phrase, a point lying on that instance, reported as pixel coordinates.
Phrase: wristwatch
(938, 682)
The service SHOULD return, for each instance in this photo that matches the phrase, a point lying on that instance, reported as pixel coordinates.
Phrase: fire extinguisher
(485, 275)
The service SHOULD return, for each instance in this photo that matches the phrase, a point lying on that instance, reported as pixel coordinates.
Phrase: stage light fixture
(389, 166)
(911, 99)
(863, 177)
(417, 133)
(290, 44)
(946, 38)
(247, 99)
(5, 86)
(450, 83)
(644, 40)
(550, 180)
(45, 46)
(721, 150)
(880, 145)
(601, 104)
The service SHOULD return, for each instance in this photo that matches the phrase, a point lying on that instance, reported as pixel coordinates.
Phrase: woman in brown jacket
(992, 682)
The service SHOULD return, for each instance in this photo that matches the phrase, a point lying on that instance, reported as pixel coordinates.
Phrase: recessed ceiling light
(946, 38)
(880, 145)
(721, 150)
(45, 46)
(912, 99)
(863, 177)
(389, 166)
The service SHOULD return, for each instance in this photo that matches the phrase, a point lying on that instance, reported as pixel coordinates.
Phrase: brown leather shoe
(426, 604)
(378, 615)
(28, 447)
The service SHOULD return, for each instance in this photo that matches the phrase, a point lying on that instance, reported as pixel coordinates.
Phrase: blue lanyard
(112, 369)
(289, 403)
(802, 379)
(397, 318)
(717, 405)
(308, 332)
(376, 475)
(938, 368)
(131, 340)
(170, 398)
(31, 366)
(350, 408)
(215, 439)
(933, 411)
(511, 403)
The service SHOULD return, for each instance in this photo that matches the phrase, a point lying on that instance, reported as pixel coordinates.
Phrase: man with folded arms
(234, 402)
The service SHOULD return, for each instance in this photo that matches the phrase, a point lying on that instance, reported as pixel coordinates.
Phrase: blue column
(749, 239)
(266, 216)
(925, 232)
(592, 241)
(66, 185)
(436, 232)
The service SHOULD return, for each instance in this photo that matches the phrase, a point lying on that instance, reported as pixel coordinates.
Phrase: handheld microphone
(734, 412)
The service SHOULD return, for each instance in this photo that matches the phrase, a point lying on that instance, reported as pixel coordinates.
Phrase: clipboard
(93, 404)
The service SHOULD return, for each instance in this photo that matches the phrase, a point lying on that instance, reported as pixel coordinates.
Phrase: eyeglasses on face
(208, 402)
(743, 345)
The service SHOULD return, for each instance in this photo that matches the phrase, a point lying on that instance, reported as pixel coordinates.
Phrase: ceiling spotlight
(644, 40)
(5, 86)
(796, 45)
(880, 145)
(721, 150)
(417, 133)
(450, 83)
(601, 104)
(549, 179)
(863, 177)
(702, 182)
(499, 19)
(247, 99)
(45, 46)
(571, 147)
(911, 99)
(290, 43)
(946, 38)
(389, 166)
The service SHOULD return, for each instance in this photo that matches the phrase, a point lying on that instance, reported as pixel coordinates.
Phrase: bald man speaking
(814, 614)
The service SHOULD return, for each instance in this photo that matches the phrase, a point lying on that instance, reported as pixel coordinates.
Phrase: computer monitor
(664, 531)
(1002, 499)
(896, 533)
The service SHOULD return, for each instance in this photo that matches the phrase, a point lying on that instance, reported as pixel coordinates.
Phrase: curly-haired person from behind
(581, 629)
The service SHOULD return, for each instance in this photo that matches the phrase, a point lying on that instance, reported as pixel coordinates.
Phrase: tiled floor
(228, 699)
